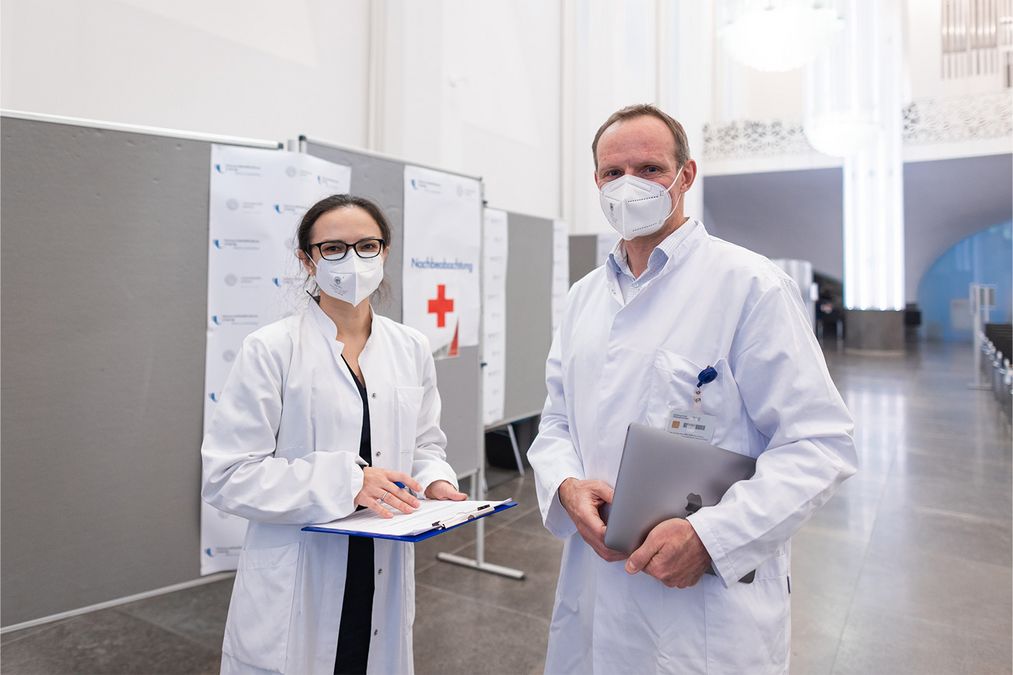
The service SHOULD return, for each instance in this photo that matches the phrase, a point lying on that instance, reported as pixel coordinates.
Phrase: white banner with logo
(442, 250)
(256, 201)
(494, 273)
(560, 270)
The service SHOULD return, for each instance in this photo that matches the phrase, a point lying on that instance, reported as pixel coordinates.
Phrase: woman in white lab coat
(324, 412)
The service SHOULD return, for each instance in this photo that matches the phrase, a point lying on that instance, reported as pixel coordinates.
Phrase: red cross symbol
(441, 306)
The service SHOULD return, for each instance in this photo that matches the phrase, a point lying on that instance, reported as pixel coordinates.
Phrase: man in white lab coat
(637, 333)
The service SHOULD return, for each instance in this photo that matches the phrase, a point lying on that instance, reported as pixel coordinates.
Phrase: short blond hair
(646, 110)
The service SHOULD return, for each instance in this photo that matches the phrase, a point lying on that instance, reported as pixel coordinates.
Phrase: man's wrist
(564, 490)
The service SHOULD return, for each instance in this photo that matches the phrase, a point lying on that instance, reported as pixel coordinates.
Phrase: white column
(685, 78)
(854, 101)
(873, 175)
(611, 62)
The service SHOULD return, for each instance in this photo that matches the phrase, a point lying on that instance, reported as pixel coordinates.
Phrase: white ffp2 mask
(351, 279)
(636, 207)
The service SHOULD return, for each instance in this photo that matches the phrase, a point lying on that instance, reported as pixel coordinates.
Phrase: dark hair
(327, 204)
(646, 110)
(342, 201)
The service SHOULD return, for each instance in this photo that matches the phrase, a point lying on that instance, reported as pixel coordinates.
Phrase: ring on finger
(382, 497)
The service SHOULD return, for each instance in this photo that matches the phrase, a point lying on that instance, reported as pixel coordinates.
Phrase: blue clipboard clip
(463, 518)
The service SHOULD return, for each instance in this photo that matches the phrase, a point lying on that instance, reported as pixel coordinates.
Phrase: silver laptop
(663, 476)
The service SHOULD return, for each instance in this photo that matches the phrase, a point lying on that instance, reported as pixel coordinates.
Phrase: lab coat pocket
(409, 403)
(748, 625)
(262, 596)
(672, 384)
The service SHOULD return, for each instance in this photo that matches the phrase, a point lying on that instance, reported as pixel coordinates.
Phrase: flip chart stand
(478, 487)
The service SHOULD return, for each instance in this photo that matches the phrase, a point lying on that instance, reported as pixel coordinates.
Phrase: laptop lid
(663, 476)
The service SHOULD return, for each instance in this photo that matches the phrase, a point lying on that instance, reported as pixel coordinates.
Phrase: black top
(357, 606)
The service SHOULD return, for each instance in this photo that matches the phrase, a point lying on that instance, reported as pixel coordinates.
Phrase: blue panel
(983, 258)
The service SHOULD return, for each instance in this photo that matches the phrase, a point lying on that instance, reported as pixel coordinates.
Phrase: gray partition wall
(381, 179)
(583, 255)
(104, 274)
(528, 315)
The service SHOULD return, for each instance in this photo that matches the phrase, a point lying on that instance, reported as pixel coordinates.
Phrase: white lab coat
(714, 304)
(283, 452)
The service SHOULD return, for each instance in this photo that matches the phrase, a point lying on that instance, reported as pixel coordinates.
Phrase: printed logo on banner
(331, 183)
(233, 281)
(300, 173)
(237, 244)
(235, 320)
(290, 209)
(211, 552)
(282, 282)
(244, 207)
(429, 186)
(440, 307)
(245, 170)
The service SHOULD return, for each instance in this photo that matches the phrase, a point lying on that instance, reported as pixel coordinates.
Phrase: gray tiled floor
(906, 570)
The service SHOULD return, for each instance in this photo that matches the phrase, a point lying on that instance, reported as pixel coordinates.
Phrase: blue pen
(404, 487)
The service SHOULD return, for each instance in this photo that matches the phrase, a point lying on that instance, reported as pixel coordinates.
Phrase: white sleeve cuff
(556, 519)
(723, 568)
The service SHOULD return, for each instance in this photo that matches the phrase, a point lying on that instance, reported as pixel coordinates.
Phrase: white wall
(254, 68)
(924, 45)
(474, 86)
(614, 61)
(744, 93)
(471, 86)
(512, 91)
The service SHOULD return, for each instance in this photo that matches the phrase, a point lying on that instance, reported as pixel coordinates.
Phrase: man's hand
(582, 499)
(673, 554)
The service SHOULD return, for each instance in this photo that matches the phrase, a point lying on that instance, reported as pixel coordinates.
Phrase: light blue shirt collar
(659, 256)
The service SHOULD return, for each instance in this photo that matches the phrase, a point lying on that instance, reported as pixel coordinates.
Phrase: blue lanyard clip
(706, 376)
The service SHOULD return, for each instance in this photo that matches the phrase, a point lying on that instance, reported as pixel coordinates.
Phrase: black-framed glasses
(337, 250)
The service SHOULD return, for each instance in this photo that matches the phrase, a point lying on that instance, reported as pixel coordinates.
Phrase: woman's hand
(443, 490)
(378, 486)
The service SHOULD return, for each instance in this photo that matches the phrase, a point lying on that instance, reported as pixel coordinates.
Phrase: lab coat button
(374, 394)
(376, 632)
(380, 571)
(377, 453)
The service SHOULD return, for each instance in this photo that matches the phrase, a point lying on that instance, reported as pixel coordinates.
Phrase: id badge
(691, 424)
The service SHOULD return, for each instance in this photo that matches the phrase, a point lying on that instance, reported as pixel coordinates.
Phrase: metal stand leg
(517, 450)
(979, 312)
(478, 563)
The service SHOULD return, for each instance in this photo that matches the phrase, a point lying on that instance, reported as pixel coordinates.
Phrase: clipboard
(434, 529)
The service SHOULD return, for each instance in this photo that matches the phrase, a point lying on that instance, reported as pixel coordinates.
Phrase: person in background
(325, 412)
